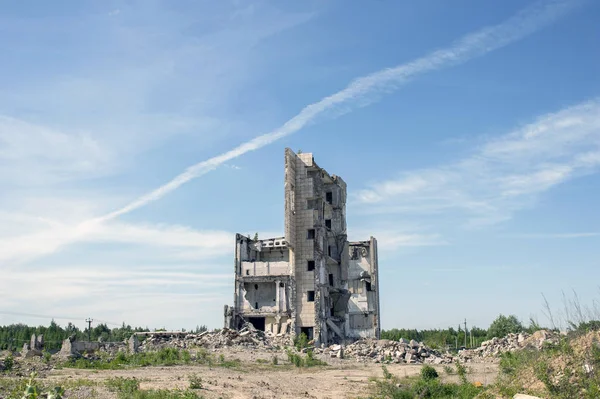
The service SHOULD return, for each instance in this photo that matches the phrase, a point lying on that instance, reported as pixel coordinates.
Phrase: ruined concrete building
(312, 280)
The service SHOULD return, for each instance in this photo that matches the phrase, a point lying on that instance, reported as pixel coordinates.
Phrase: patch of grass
(425, 386)
(229, 363)
(311, 361)
(122, 385)
(308, 361)
(129, 388)
(563, 372)
(163, 357)
(195, 381)
(32, 390)
(449, 370)
(275, 360)
(262, 361)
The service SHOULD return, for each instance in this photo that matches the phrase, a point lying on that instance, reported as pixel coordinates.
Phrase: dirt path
(346, 379)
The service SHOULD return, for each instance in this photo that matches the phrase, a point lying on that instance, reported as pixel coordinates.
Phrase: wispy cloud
(556, 235)
(361, 91)
(356, 94)
(180, 242)
(390, 239)
(34, 154)
(502, 176)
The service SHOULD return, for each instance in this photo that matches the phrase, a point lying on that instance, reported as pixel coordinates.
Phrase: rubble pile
(248, 336)
(512, 342)
(383, 350)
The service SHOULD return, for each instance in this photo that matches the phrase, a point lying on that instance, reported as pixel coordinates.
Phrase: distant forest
(14, 336)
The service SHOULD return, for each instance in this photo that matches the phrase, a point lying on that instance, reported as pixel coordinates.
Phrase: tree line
(12, 337)
(456, 338)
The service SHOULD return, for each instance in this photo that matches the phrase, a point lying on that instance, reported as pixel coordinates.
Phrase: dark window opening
(331, 280)
(329, 197)
(329, 250)
(311, 265)
(311, 296)
(281, 285)
(255, 286)
(247, 272)
(255, 305)
(308, 331)
(368, 286)
(328, 223)
(257, 322)
(310, 235)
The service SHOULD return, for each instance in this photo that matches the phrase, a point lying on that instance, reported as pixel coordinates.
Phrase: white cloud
(33, 154)
(182, 243)
(557, 235)
(504, 175)
(390, 239)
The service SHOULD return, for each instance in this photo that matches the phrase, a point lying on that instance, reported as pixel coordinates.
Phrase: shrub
(429, 373)
(32, 391)
(386, 374)
(301, 341)
(195, 381)
(504, 325)
(295, 359)
(462, 372)
(9, 363)
(275, 361)
(310, 360)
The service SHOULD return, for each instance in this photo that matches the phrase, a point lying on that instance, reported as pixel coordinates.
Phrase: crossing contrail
(520, 25)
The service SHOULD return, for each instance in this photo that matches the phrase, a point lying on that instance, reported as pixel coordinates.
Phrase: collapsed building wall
(363, 320)
(301, 283)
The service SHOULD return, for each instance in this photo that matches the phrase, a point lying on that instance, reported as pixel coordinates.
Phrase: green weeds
(308, 361)
(427, 385)
(129, 388)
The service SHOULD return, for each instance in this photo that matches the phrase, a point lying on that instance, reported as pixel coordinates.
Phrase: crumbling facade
(312, 280)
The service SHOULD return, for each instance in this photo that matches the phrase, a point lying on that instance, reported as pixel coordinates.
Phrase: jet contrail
(476, 44)
(473, 45)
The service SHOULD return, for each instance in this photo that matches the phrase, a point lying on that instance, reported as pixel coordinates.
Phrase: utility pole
(89, 321)
(465, 333)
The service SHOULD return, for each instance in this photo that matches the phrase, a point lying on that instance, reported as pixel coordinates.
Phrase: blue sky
(136, 137)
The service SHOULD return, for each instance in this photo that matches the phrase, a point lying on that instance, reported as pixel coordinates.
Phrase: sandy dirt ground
(251, 379)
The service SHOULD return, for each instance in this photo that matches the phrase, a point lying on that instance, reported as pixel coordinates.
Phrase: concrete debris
(72, 348)
(247, 336)
(386, 351)
(496, 346)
